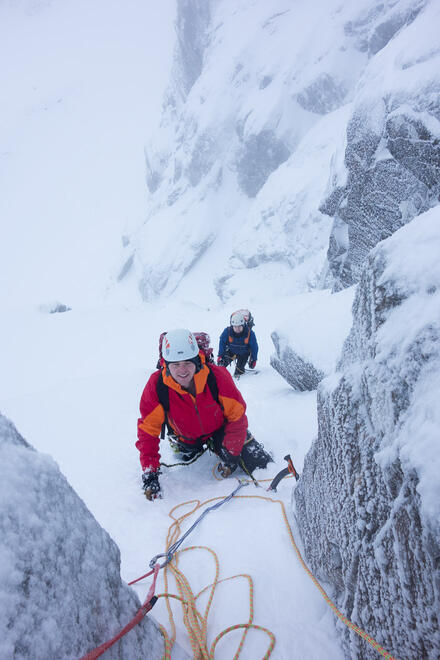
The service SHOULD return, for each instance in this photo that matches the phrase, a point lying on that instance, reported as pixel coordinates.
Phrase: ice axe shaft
(290, 469)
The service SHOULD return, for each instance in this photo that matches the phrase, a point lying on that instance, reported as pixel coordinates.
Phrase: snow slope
(82, 374)
(78, 229)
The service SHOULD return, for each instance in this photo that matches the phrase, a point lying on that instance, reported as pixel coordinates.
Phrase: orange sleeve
(149, 425)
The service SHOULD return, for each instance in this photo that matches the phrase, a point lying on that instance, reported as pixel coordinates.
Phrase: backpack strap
(163, 394)
(213, 386)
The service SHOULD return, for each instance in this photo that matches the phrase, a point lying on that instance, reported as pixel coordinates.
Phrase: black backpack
(163, 395)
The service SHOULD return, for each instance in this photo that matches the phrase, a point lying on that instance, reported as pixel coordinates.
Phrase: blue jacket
(238, 344)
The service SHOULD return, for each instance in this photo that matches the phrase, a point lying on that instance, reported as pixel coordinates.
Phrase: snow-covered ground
(83, 85)
(72, 383)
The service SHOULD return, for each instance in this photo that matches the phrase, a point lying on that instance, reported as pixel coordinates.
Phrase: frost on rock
(260, 155)
(379, 22)
(300, 373)
(256, 123)
(313, 329)
(323, 95)
(237, 107)
(61, 593)
(392, 155)
(368, 499)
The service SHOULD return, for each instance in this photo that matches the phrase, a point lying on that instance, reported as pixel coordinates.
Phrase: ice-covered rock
(238, 106)
(308, 346)
(61, 593)
(299, 373)
(267, 131)
(368, 500)
(392, 155)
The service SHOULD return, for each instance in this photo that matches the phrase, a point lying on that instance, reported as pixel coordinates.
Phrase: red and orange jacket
(191, 417)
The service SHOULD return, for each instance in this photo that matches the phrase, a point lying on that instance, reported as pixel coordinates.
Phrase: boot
(239, 365)
(254, 455)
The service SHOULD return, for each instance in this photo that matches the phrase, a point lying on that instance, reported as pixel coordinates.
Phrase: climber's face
(182, 372)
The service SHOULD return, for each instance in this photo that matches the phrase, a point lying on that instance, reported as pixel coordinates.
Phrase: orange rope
(196, 623)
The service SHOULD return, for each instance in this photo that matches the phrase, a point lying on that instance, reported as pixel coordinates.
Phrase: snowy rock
(310, 343)
(267, 131)
(223, 165)
(392, 156)
(260, 156)
(322, 95)
(55, 308)
(61, 593)
(368, 499)
(299, 373)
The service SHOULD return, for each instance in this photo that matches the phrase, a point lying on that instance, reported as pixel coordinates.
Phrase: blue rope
(174, 547)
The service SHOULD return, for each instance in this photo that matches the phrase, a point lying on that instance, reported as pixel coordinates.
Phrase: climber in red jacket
(200, 406)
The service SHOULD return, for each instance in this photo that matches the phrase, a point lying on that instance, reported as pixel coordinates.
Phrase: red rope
(145, 607)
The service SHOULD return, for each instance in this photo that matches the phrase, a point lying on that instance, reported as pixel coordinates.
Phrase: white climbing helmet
(237, 318)
(179, 345)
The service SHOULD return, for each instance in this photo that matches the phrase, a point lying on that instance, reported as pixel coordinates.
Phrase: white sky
(81, 89)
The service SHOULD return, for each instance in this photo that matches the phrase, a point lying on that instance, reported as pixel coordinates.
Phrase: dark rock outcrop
(260, 156)
(323, 95)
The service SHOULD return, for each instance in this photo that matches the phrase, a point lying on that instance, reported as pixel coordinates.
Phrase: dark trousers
(253, 455)
(240, 360)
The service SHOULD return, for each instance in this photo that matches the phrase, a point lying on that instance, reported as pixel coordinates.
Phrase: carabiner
(168, 555)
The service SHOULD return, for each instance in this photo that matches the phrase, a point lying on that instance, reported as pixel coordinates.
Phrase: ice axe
(290, 469)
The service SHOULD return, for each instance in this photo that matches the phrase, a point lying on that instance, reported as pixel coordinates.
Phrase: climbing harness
(192, 460)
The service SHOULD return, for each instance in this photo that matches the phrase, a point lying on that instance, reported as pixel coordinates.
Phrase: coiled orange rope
(196, 623)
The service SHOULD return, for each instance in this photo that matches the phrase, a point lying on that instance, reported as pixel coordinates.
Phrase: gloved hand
(252, 363)
(219, 360)
(151, 485)
(228, 462)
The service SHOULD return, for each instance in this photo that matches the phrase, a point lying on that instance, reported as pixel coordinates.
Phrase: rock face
(237, 107)
(269, 132)
(368, 499)
(392, 155)
(61, 593)
(310, 342)
(299, 373)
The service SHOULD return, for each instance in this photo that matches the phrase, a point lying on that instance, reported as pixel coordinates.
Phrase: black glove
(252, 363)
(228, 462)
(151, 485)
